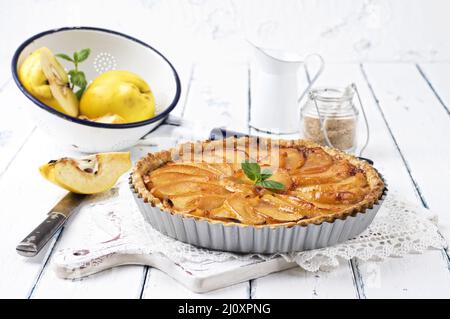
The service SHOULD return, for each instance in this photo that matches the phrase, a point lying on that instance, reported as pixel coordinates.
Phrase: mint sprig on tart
(260, 177)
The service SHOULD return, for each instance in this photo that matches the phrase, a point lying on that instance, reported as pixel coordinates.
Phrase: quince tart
(257, 195)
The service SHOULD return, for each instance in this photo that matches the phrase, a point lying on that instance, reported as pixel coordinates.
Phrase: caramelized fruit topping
(214, 185)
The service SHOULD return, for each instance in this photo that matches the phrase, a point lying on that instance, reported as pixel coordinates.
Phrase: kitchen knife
(221, 133)
(57, 216)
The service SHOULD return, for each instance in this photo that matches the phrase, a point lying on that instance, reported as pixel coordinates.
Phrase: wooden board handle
(80, 262)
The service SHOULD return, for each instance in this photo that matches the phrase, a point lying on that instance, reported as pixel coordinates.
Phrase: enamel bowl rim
(86, 122)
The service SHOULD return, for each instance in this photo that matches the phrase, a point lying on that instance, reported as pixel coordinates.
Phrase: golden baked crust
(321, 183)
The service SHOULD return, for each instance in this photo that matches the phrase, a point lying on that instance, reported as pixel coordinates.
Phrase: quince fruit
(87, 175)
(118, 92)
(45, 78)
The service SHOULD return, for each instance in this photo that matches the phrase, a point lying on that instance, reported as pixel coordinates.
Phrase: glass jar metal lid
(333, 102)
(329, 117)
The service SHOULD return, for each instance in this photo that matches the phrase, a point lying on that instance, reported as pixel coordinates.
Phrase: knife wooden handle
(57, 216)
(37, 239)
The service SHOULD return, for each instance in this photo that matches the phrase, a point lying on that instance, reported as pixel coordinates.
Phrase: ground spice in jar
(330, 111)
(341, 131)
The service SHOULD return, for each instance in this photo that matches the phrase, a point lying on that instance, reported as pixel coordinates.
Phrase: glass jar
(329, 117)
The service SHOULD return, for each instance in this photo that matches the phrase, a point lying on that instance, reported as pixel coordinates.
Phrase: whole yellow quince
(118, 92)
(45, 78)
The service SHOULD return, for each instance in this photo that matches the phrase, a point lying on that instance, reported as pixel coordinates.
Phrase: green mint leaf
(265, 174)
(271, 185)
(75, 58)
(78, 78)
(75, 78)
(82, 78)
(252, 170)
(83, 54)
(72, 73)
(64, 57)
(79, 93)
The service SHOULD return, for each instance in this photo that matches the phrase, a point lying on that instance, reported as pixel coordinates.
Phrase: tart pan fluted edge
(264, 239)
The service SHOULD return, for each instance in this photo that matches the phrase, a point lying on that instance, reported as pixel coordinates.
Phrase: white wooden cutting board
(197, 277)
(129, 243)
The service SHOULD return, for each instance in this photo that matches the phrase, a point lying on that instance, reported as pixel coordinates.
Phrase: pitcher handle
(312, 80)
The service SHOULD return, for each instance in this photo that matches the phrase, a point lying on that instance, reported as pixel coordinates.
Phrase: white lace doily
(398, 229)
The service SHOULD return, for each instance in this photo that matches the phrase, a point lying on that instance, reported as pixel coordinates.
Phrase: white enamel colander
(110, 50)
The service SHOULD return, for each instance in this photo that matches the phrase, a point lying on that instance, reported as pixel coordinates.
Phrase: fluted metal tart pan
(269, 239)
(262, 240)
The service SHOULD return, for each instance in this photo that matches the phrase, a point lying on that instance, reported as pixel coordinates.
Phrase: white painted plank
(378, 284)
(437, 76)
(23, 169)
(82, 229)
(119, 282)
(161, 286)
(398, 274)
(16, 123)
(298, 283)
(381, 148)
(421, 127)
(348, 30)
(218, 95)
(27, 198)
(185, 73)
(122, 282)
(113, 283)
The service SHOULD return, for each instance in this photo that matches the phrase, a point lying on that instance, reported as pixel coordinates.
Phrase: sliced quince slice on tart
(346, 192)
(317, 161)
(185, 168)
(292, 158)
(87, 175)
(191, 202)
(339, 171)
(281, 176)
(217, 169)
(276, 209)
(176, 188)
(170, 177)
(222, 168)
(238, 208)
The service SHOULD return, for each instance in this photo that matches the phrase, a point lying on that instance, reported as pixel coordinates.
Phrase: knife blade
(57, 216)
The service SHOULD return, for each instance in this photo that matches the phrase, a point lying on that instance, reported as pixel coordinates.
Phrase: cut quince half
(59, 82)
(87, 175)
(45, 78)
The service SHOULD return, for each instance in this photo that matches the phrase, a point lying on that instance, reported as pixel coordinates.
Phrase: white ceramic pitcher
(275, 92)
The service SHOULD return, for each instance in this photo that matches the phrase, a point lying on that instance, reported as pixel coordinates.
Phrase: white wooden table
(408, 106)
